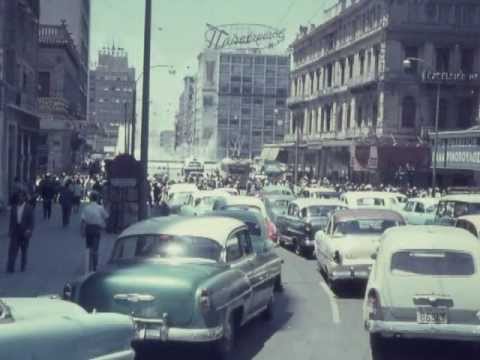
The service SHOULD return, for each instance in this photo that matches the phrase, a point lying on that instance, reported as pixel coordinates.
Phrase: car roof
(426, 201)
(320, 189)
(182, 187)
(279, 197)
(429, 237)
(380, 194)
(474, 219)
(212, 227)
(241, 215)
(209, 193)
(467, 198)
(365, 214)
(303, 203)
(243, 200)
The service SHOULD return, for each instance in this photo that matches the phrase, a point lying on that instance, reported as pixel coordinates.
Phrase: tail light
(205, 301)
(272, 231)
(374, 306)
(337, 257)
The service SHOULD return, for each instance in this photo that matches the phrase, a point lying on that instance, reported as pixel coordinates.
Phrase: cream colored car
(344, 250)
(422, 285)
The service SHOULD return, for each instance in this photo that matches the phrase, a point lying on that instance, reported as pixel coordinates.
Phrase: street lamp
(407, 65)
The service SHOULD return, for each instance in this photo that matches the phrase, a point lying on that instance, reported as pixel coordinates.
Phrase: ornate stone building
(356, 111)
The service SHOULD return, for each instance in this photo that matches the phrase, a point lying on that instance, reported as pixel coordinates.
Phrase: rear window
(281, 203)
(439, 263)
(364, 226)
(321, 211)
(371, 202)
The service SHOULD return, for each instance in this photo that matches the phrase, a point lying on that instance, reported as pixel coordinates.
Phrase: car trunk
(409, 294)
(164, 288)
(358, 249)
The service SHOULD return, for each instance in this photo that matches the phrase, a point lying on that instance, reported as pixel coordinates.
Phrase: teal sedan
(183, 279)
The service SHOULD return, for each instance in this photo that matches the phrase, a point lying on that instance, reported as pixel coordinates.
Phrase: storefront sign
(461, 77)
(243, 36)
(459, 157)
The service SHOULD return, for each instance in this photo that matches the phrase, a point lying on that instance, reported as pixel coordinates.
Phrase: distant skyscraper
(112, 85)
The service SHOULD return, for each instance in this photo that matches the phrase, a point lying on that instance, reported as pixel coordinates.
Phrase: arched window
(408, 112)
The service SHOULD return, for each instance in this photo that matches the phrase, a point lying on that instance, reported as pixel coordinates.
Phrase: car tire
(378, 347)
(269, 312)
(298, 248)
(223, 348)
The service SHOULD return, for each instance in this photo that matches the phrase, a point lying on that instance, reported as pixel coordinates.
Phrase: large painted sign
(452, 77)
(243, 36)
(459, 157)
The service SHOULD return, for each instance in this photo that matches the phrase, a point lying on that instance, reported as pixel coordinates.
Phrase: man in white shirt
(93, 219)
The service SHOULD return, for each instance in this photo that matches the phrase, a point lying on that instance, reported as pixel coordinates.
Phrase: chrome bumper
(121, 355)
(353, 272)
(157, 329)
(409, 330)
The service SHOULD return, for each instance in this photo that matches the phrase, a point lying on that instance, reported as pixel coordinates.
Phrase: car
(178, 194)
(276, 190)
(420, 211)
(304, 218)
(374, 199)
(262, 245)
(183, 279)
(344, 250)
(251, 203)
(46, 328)
(231, 191)
(418, 288)
(319, 193)
(451, 207)
(201, 202)
(277, 205)
(471, 223)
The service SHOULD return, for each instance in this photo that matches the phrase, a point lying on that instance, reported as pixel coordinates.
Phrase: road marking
(333, 303)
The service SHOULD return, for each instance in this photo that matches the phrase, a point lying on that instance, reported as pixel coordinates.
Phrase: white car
(374, 199)
(344, 250)
(420, 211)
(178, 195)
(48, 328)
(422, 285)
(471, 223)
(201, 202)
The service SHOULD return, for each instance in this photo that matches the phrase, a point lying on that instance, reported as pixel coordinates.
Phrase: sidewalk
(56, 255)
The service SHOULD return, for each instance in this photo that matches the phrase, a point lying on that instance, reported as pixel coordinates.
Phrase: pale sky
(178, 28)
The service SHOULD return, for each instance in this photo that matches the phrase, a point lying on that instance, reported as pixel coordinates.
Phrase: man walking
(93, 218)
(47, 191)
(20, 231)
(66, 201)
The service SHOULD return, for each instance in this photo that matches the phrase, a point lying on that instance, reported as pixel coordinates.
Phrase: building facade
(112, 96)
(185, 117)
(19, 120)
(167, 141)
(62, 100)
(240, 102)
(356, 111)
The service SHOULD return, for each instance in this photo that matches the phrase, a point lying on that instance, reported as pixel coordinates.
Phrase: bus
(236, 169)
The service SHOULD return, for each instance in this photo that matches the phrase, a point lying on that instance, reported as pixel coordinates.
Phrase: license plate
(148, 331)
(432, 316)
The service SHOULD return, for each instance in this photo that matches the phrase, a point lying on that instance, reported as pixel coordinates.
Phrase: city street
(310, 322)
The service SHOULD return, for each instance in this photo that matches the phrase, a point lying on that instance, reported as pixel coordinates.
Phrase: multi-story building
(185, 117)
(240, 102)
(112, 86)
(19, 120)
(62, 103)
(167, 141)
(356, 110)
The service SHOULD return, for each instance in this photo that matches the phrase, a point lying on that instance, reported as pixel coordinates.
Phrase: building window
(329, 75)
(466, 113)
(362, 62)
(340, 118)
(359, 116)
(349, 115)
(374, 115)
(468, 56)
(443, 59)
(44, 84)
(342, 71)
(351, 63)
(207, 101)
(412, 52)
(408, 112)
(376, 56)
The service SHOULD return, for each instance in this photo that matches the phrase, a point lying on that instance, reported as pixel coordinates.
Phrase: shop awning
(270, 153)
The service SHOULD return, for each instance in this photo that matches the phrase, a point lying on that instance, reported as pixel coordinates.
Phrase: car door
(295, 222)
(408, 211)
(419, 214)
(242, 262)
(321, 244)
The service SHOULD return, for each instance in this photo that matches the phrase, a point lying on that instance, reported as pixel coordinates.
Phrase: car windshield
(455, 209)
(255, 209)
(370, 201)
(280, 204)
(428, 262)
(166, 246)
(178, 196)
(320, 211)
(364, 226)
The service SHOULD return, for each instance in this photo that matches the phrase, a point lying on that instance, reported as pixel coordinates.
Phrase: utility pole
(125, 124)
(143, 186)
(134, 121)
(435, 142)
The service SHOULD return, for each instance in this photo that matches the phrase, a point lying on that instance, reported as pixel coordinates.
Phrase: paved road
(310, 322)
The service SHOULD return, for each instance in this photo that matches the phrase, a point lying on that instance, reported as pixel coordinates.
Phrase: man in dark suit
(20, 231)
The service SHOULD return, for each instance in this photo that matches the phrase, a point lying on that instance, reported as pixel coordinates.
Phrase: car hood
(38, 308)
(147, 288)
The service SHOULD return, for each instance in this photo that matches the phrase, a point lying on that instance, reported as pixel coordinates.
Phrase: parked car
(374, 199)
(303, 219)
(178, 195)
(276, 190)
(344, 250)
(419, 285)
(183, 279)
(230, 191)
(471, 223)
(277, 205)
(262, 245)
(251, 203)
(201, 202)
(451, 207)
(420, 211)
(48, 328)
(320, 193)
